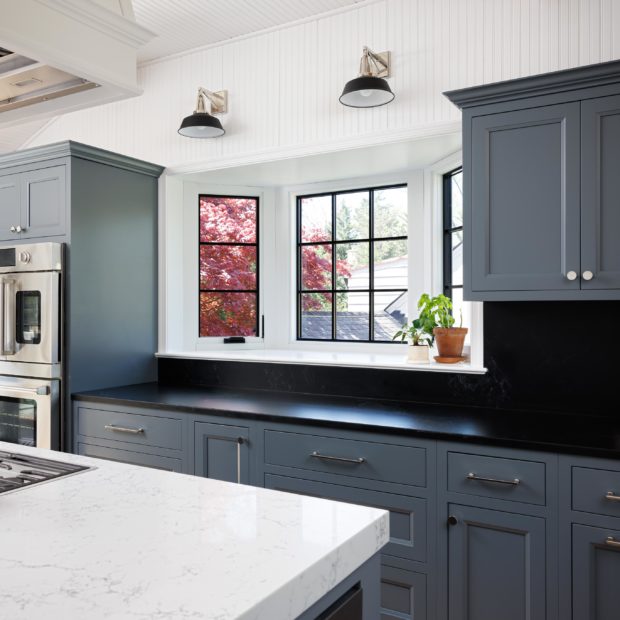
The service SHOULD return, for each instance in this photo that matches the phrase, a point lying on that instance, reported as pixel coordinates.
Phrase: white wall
(284, 84)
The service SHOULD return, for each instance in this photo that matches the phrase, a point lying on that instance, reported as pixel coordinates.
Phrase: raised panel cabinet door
(403, 594)
(523, 209)
(221, 452)
(596, 573)
(497, 565)
(600, 193)
(43, 200)
(9, 207)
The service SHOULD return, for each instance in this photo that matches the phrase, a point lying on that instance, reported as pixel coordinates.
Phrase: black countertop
(576, 434)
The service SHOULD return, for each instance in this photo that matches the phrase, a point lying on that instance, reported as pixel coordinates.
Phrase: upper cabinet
(541, 160)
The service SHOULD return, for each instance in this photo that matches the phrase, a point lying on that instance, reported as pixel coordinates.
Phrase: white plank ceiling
(181, 25)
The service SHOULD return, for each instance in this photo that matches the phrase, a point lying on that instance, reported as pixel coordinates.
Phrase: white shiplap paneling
(284, 85)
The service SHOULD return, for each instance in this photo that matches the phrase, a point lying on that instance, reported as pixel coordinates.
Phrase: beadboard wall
(284, 83)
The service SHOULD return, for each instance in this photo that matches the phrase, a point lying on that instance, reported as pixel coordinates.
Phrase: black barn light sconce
(370, 89)
(202, 123)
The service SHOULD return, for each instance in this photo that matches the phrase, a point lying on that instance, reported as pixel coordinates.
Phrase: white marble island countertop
(121, 541)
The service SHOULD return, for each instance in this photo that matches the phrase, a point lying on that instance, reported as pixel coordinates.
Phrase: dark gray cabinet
(403, 594)
(221, 451)
(596, 573)
(541, 177)
(33, 203)
(126, 454)
(497, 565)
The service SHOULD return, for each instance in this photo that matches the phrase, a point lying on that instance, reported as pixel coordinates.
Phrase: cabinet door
(497, 565)
(9, 206)
(222, 452)
(600, 188)
(43, 202)
(524, 203)
(596, 573)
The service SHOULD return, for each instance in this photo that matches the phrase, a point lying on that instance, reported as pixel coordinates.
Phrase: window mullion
(333, 246)
(371, 265)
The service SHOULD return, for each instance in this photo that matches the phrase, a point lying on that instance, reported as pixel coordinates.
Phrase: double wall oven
(31, 322)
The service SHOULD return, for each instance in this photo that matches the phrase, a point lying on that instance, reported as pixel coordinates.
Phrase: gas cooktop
(19, 471)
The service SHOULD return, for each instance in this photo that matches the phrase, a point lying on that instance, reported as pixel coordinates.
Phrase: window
(453, 241)
(352, 265)
(228, 266)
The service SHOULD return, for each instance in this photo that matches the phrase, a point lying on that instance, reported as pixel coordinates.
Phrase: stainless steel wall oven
(31, 325)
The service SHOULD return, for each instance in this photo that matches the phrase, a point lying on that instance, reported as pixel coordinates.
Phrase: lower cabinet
(596, 573)
(221, 451)
(123, 455)
(496, 565)
(403, 594)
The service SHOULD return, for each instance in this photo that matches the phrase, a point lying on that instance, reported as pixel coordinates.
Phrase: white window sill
(322, 358)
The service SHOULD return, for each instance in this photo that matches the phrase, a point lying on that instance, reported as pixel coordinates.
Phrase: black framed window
(352, 264)
(228, 266)
(453, 238)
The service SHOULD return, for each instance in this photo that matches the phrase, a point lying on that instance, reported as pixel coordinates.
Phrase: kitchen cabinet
(33, 204)
(541, 176)
(403, 594)
(496, 565)
(222, 452)
(130, 456)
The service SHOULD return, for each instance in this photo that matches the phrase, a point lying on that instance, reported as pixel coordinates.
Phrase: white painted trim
(326, 358)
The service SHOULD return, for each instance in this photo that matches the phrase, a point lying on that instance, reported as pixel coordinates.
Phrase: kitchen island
(120, 541)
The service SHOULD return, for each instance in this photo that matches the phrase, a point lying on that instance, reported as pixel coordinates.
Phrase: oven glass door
(29, 412)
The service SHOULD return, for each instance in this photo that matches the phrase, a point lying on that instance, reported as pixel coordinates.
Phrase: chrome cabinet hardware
(19, 229)
(514, 482)
(587, 275)
(339, 459)
(610, 541)
(124, 429)
(612, 497)
(13, 229)
(571, 275)
(452, 520)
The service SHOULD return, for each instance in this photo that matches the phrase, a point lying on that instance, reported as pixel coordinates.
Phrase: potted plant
(450, 340)
(419, 333)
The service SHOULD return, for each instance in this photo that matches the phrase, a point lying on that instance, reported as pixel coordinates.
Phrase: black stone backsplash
(558, 356)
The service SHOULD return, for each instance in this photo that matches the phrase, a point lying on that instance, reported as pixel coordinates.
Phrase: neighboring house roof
(349, 325)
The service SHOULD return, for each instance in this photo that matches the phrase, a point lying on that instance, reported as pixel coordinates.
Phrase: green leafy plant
(440, 307)
(420, 330)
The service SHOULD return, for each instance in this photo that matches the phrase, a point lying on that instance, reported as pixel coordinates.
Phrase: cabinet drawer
(596, 491)
(499, 478)
(347, 457)
(133, 428)
(407, 514)
(403, 594)
(133, 458)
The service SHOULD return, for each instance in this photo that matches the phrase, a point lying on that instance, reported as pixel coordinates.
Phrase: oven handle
(13, 391)
(7, 320)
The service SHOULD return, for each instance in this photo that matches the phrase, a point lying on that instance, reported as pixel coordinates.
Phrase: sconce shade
(366, 92)
(201, 125)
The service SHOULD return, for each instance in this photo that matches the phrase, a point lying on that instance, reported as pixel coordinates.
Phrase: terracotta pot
(418, 354)
(450, 340)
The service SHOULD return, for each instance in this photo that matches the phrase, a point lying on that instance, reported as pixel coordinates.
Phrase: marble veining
(122, 541)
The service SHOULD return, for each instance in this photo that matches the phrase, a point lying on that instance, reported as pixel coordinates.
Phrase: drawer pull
(612, 497)
(124, 429)
(514, 482)
(612, 542)
(340, 459)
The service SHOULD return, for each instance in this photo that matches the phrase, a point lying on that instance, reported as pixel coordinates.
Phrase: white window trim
(179, 296)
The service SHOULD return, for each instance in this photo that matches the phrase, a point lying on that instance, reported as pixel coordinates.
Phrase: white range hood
(57, 56)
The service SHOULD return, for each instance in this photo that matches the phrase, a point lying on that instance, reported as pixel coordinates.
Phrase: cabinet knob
(13, 229)
(571, 275)
(587, 275)
(19, 229)
(452, 520)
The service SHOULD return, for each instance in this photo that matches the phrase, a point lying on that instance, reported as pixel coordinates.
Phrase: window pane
(352, 265)
(457, 258)
(228, 267)
(352, 216)
(228, 220)
(228, 314)
(457, 199)
(390, 314)
(352, 316)
(316, 218)
(390, 208)
(316, 267)
(316, 316)
(391, 264)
